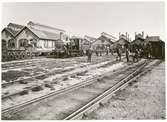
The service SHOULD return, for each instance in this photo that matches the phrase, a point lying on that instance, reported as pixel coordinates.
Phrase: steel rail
(22, 106)
(49, 73)
(102, 98)
(57, 79)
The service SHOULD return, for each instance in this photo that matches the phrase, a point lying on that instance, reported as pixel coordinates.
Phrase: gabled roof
(108, 35)
(42, 34)
(8, 31)
(105, 39)
(17, 29)
(120, 40)
(138, 41)
(90, 39)
(33, 24)
(122, 36)
(15, 25)
(139, 36)
(45, 34)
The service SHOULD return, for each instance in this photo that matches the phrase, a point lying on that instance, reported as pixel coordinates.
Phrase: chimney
(143, 34)
(126, 35)
(119, 34)
(135, 35)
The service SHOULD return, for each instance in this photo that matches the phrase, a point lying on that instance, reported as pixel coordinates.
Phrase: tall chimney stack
(135, 35)
(143, 34)
(126, 35)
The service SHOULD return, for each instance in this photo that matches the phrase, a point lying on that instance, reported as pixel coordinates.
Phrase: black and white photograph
(76, 60)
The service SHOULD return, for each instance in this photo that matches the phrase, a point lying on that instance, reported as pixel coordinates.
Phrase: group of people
(135, 51)
(131, 51)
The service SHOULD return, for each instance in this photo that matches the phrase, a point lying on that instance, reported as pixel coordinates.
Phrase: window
(46, 43)
(33, 42)
(11, 43)
(66, 38)
(3, 44)
(23, 42)
(53, 44)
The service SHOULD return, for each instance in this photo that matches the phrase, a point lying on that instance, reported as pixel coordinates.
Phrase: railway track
(36, 77)
(61, 77)
(44, 75)
(25, 63)
(104, 97)
(23, 106)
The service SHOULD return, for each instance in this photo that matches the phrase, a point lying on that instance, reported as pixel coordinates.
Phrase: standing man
(127, 54)
(118, 51)
(89, 54)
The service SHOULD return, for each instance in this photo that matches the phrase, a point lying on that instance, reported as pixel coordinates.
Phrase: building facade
(36, 38)
(103, 42)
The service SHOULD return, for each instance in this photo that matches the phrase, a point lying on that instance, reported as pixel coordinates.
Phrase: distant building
(33, 37)
(122, 41)
(104, 41)
(40, 37)
(90, 39)
(139, 39)
(9, 35)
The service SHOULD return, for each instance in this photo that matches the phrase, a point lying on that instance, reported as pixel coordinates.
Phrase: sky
(91, 18)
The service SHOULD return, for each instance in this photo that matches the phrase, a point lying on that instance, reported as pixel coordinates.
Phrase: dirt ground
(144, 99)
(15, 70)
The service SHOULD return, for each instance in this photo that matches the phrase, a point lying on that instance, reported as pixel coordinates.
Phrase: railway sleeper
(24, 92)
(49, 85)
(37, 88)
(23, 82)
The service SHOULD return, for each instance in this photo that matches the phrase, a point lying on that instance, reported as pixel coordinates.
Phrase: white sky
(91, 18)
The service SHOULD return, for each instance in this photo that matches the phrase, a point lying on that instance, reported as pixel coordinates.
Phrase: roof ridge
(42, 25)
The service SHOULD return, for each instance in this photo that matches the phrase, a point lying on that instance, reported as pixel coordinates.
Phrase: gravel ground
(28, 68)
(61, 84)
(144, 99)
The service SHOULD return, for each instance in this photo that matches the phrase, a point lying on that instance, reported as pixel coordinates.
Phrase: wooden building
(36, 38)
(104, 41)
(122, 41)
(138, 42)
(139, 39)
